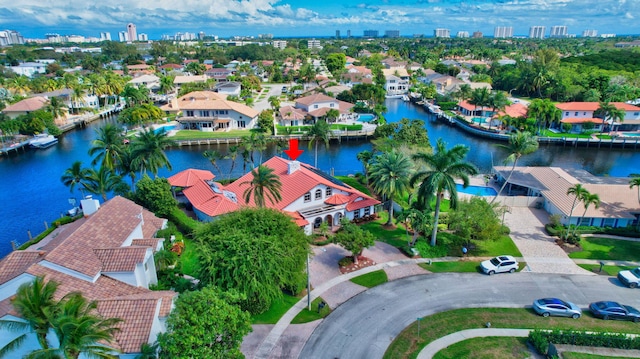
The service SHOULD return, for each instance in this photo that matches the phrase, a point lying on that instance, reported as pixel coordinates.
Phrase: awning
(222, 120)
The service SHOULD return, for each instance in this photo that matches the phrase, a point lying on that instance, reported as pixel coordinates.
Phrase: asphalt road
(364, 326)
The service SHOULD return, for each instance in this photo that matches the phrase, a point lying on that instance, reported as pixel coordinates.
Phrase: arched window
(307, 197)
(328, 192)
(318, 194)
(317, 222)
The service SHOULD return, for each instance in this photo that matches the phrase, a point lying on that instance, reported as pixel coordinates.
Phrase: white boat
(43, 140)
(405, 98)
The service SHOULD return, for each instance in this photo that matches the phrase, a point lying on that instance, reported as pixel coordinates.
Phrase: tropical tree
(213, 156)
(480, 98)
(635, 182)
(56, 107)
(232, 154)
(353, 238)
(107, 147)
(588, 199)
(166, 85)
(578, 191)
(390, 173)
(365, 157)
(416, 219)
(127, 166)
(545, 112)
(465, 91)
(274, 101)
(75, 175)
(35, 303)
(320, 131)
(103, 181)
(609, 111)
(148, 151)
(442, 169)
(520, 144)
(332, 115)
(265, 185)
(497, 101)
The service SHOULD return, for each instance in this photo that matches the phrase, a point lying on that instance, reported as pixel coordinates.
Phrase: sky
(303, 18)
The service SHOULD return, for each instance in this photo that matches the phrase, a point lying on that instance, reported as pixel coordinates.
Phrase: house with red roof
(108, 256)
(309, 195)
(579, 113)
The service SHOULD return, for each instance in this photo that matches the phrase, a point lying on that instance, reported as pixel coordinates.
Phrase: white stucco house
(110, 264)
(309, 196)
(29, 68)
(578, 113)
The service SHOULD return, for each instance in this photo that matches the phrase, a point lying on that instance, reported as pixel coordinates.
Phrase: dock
(14, 146)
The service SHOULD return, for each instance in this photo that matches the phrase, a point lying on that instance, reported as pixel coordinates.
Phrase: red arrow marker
(293, 152)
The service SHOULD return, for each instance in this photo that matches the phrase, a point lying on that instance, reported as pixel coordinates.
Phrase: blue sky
(34, 18)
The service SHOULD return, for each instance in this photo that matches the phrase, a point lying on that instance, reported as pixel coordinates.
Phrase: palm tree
(232, 154)
(578, 191)
(75, 175)
(609, 111)
(166, 85)
(264, 185)
(545, 112)
(497, 101)
(148, 351)
(465, 91)
(107, 147)
(587, 200)
(520, 144)
(35, 304)
(56, 107)
(274, 101)
(320, 131)
(365, 157)
(127, 166)
(443, 167)
(148, 151)
(213, 156)
(416, 219)
(102, 181)
(479, 98)
(332, 115)
(635, 182)
(390, 174)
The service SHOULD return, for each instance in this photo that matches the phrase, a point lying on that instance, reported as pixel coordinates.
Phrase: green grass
(572, 355)
(396, 237)
(458, 266)
(408, 344)
(306, 315)
(547, 133)
(276, 310)
(353, 182)
(487, 348)
(372, 279)
(609, 270)
(605, 248)
(496, 247)
(189, 258)
(183, 135)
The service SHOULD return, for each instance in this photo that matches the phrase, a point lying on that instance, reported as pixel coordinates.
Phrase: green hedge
(184, 223)
(540, 339)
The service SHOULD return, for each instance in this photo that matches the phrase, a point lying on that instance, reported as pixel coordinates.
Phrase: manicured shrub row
(540, 339)
(184, 223)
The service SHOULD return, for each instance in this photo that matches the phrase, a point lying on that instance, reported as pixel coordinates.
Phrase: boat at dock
(43, 140)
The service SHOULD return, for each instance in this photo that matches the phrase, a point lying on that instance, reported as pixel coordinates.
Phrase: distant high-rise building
(590, 33)
(537, 32)
(265, 36)
(10, 37)
(441, 32)
(370, 33)
(607, 35)
(392, 33)
(143, 37)
(337, 34)
(201, 35)
(348, 33)
(105, 36)
(313, 44)
(123, 36)
(462, 34)
(503, 32)
(132, 33)
(477, 34)
(558, 31)
(279, 44)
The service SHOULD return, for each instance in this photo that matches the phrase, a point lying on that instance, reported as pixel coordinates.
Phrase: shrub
(538, 340)
(345, 261)
(505, 230)
(541, 339)
(427, 251)
(554, 220)
(184, 223)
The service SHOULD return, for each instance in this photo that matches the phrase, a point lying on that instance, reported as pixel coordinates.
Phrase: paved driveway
(364, 326)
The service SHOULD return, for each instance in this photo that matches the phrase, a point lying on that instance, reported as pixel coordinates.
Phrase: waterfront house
(468, 109)
(309, 195)
(316, 106)
(209, 111)
(111, 264)
(74, 104)
(291, 116)
(25, 106)
(576, 113)
(152, 82)
(350, 79)
(619, 206)
(396, 81)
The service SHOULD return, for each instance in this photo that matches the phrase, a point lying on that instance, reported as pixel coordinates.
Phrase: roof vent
(293, 166)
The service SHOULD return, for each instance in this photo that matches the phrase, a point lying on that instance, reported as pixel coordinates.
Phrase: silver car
(556, 307)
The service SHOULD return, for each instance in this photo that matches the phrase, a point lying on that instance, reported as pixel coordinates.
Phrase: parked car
(556, 307)
(630, 278)
(499, 264)
(613, 310)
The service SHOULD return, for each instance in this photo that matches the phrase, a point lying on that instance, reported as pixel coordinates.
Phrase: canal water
(31, 191)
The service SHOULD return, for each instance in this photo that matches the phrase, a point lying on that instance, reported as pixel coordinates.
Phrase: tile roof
(107, 228)
(292, 113)
(207, 100)
(167, 296)
(470, 107)
(189, 177)
(203, 198)
(28, 104)
(337, 199)
(171, 66)
(183, 79)
(297, 217)
(315, 98)
(151, 224)
(123, 259)
(515, 110)
(16, 262)
(593, 106)
(148, 242)
(137, 318)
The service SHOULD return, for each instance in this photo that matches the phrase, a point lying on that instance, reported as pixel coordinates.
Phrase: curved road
(364, 326)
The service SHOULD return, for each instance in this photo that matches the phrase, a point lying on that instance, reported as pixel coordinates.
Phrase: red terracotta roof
(593, 106)
(357, 203)
(297, 217)
(27, 105)
(123, 259)
(188, 178)
(469, 107)
(147, 242)
(292, 113)
(16, 262)
(515, 110)
(581, 120)
(137, 318)
(203, 198)
(337, 199)
(309, 100)
(171, 66)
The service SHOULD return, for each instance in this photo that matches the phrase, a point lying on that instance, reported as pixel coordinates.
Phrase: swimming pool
(476, 190)
(164, 129)
(366, 117)
(632, 134)
(478, 120)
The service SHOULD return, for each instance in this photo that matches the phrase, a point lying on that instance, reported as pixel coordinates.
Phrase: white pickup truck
(630, 278)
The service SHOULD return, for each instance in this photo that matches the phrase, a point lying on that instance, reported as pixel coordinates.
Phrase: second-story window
(318, 194)
(307, 197)
(328, 192)
(190, 113)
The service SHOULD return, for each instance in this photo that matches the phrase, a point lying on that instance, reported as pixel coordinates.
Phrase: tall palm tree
(587, 200)
(520, 144)
(479, 98)
(56, 107)
(578, 191)
(148, 151)
(416, 219)
(365, 157)
(127, 166)
(390, 174)
(332, 115)
(107, 147)
(75, 175)
(320, 131)
(103, 181)
(442, 168)
(497, 101)
(465, 91)
(635, 182)
(274, 101)
(213, 156)
(609, 111)
(264, 185)
(232, 154)
(35, 303)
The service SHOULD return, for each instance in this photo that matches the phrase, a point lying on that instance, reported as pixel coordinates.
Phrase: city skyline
(251, 17)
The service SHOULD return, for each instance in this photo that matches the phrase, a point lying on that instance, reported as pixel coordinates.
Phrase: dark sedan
(613, 310)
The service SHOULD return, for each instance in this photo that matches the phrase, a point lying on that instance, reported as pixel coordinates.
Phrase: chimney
(293, 166)
(89, 206)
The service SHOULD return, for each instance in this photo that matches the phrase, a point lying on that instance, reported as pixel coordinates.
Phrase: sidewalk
(437, 345)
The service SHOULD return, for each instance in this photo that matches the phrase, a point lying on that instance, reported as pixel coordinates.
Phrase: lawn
(492, 248)
(184, 135)
(457, 266)
(609, 270)
(572, 355)
(372, 279)
(306, 315)
(276, 310)
(408, 344)
(487, 348)
(189, 258)
(605, 248)
(353, 182)
(396, 237)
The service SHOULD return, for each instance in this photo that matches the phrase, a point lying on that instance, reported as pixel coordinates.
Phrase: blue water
(164, 129)
(630, 134)
(476, 190)
(366, 117)
(31, 191)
